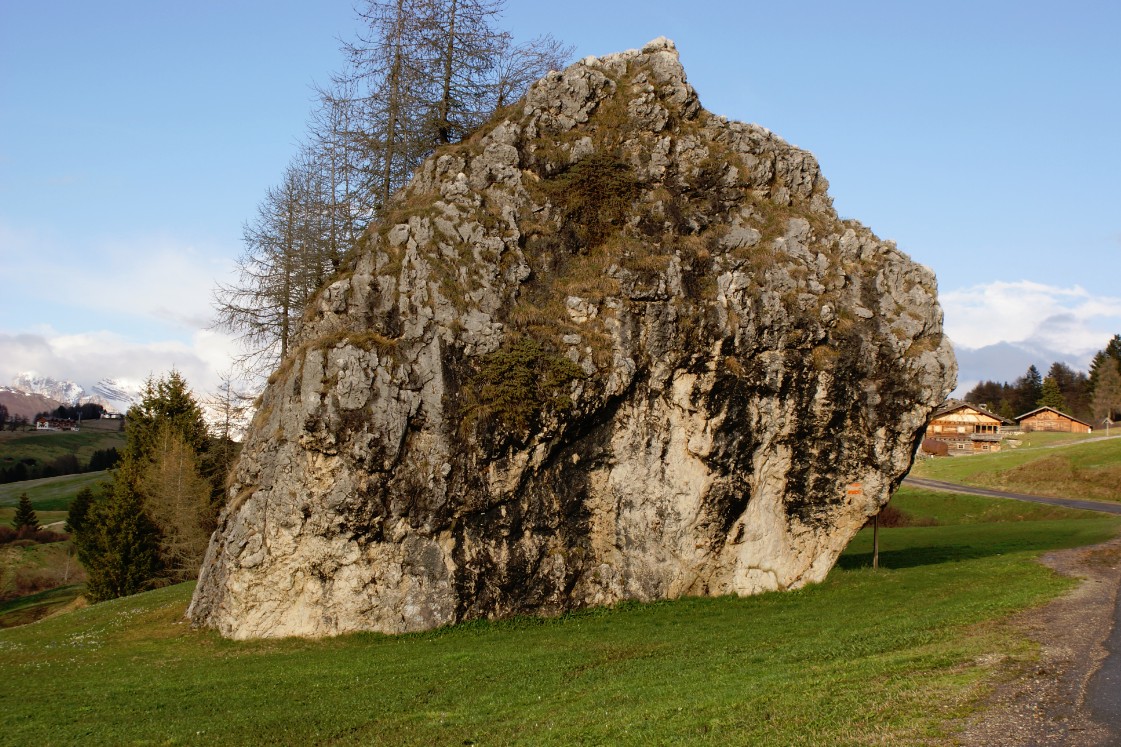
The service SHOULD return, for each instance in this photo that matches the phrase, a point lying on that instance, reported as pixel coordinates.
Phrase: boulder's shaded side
(611, 347)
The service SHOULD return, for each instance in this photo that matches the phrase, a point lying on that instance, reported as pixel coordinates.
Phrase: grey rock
(611, 347)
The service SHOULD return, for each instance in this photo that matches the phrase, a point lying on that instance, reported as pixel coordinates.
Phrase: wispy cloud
(130, 307)
(153, 278)
(89, 357)
(1069, 320)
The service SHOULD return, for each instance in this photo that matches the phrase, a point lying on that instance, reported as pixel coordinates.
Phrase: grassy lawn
(1075, 469)
(50, 493)
(954, 509)
(1039, 438)
(867, 657)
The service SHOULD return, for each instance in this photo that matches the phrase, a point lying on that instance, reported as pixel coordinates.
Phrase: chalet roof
(1038, 410)
(951, 405)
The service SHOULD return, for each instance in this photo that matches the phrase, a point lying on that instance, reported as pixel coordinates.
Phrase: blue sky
(137, 137)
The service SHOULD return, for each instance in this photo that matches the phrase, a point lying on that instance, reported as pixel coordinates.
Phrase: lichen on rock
(609, 347)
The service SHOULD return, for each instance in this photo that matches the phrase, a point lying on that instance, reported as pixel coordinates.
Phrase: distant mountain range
(31, 394)
(1006, 361)
(24, 404)
(115, 395)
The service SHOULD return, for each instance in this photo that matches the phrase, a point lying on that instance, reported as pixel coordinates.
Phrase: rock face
(611, 347)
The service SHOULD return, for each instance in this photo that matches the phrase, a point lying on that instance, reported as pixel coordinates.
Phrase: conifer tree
(232, 408)
(25, 521)
(151, 524)
(79, 510)
(1107, 392)
(177, 499)
(1075, 389)
(1028, 391)
(167, 400)
(1052, 396)
(119, 544)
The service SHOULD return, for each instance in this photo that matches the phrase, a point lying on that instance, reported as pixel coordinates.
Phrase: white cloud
(1067, 320)
(86, 358)
(153, 278)
(122, 308)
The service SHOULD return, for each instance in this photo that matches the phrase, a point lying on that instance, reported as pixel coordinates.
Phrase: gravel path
(1072, 695)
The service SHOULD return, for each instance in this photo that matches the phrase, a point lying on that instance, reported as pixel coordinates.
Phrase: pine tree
(151, 524)
(1028, 389)
(419, 74)
(232, 408)
(25, 521)
(1075, 389)
(1052, 396)
(79, 510)
(177, 499)
(1105, 361)
(165, 400)
(119, 544)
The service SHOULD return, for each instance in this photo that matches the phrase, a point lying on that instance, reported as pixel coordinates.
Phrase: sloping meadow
(867, 657)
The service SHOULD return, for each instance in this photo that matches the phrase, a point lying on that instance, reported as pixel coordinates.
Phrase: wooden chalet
(56, 424)
(1050, 419)
(966, 428)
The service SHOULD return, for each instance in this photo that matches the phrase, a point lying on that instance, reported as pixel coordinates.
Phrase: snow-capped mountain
(66, 392)
(23, 404)
(115, 395)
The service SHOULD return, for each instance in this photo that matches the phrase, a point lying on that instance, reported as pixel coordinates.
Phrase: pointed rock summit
(610, 347)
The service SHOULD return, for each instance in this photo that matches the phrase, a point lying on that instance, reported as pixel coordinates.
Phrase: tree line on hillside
(419, 74)
(151, 523)
(87, 411)
(30, 468)
(1091, 397)
(12, 422)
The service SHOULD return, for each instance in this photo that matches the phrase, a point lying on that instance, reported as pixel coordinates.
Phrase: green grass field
(50, 496)
(891, 657)
(1073, 469)
(50, 493)
(28, 609)
(46, 446)
(36, 580)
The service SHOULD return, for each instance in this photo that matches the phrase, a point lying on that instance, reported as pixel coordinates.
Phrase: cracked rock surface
(610, 347)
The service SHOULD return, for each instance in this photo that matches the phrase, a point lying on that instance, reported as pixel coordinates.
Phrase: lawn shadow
(919, 556)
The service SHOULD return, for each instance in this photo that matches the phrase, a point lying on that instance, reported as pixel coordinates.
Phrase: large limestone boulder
(611, 347)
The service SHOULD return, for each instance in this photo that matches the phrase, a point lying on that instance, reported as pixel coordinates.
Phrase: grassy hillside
(50, 493)
(36, 580)
(50, 496)
(45, 446)
(867, 657)
(1074, 469)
